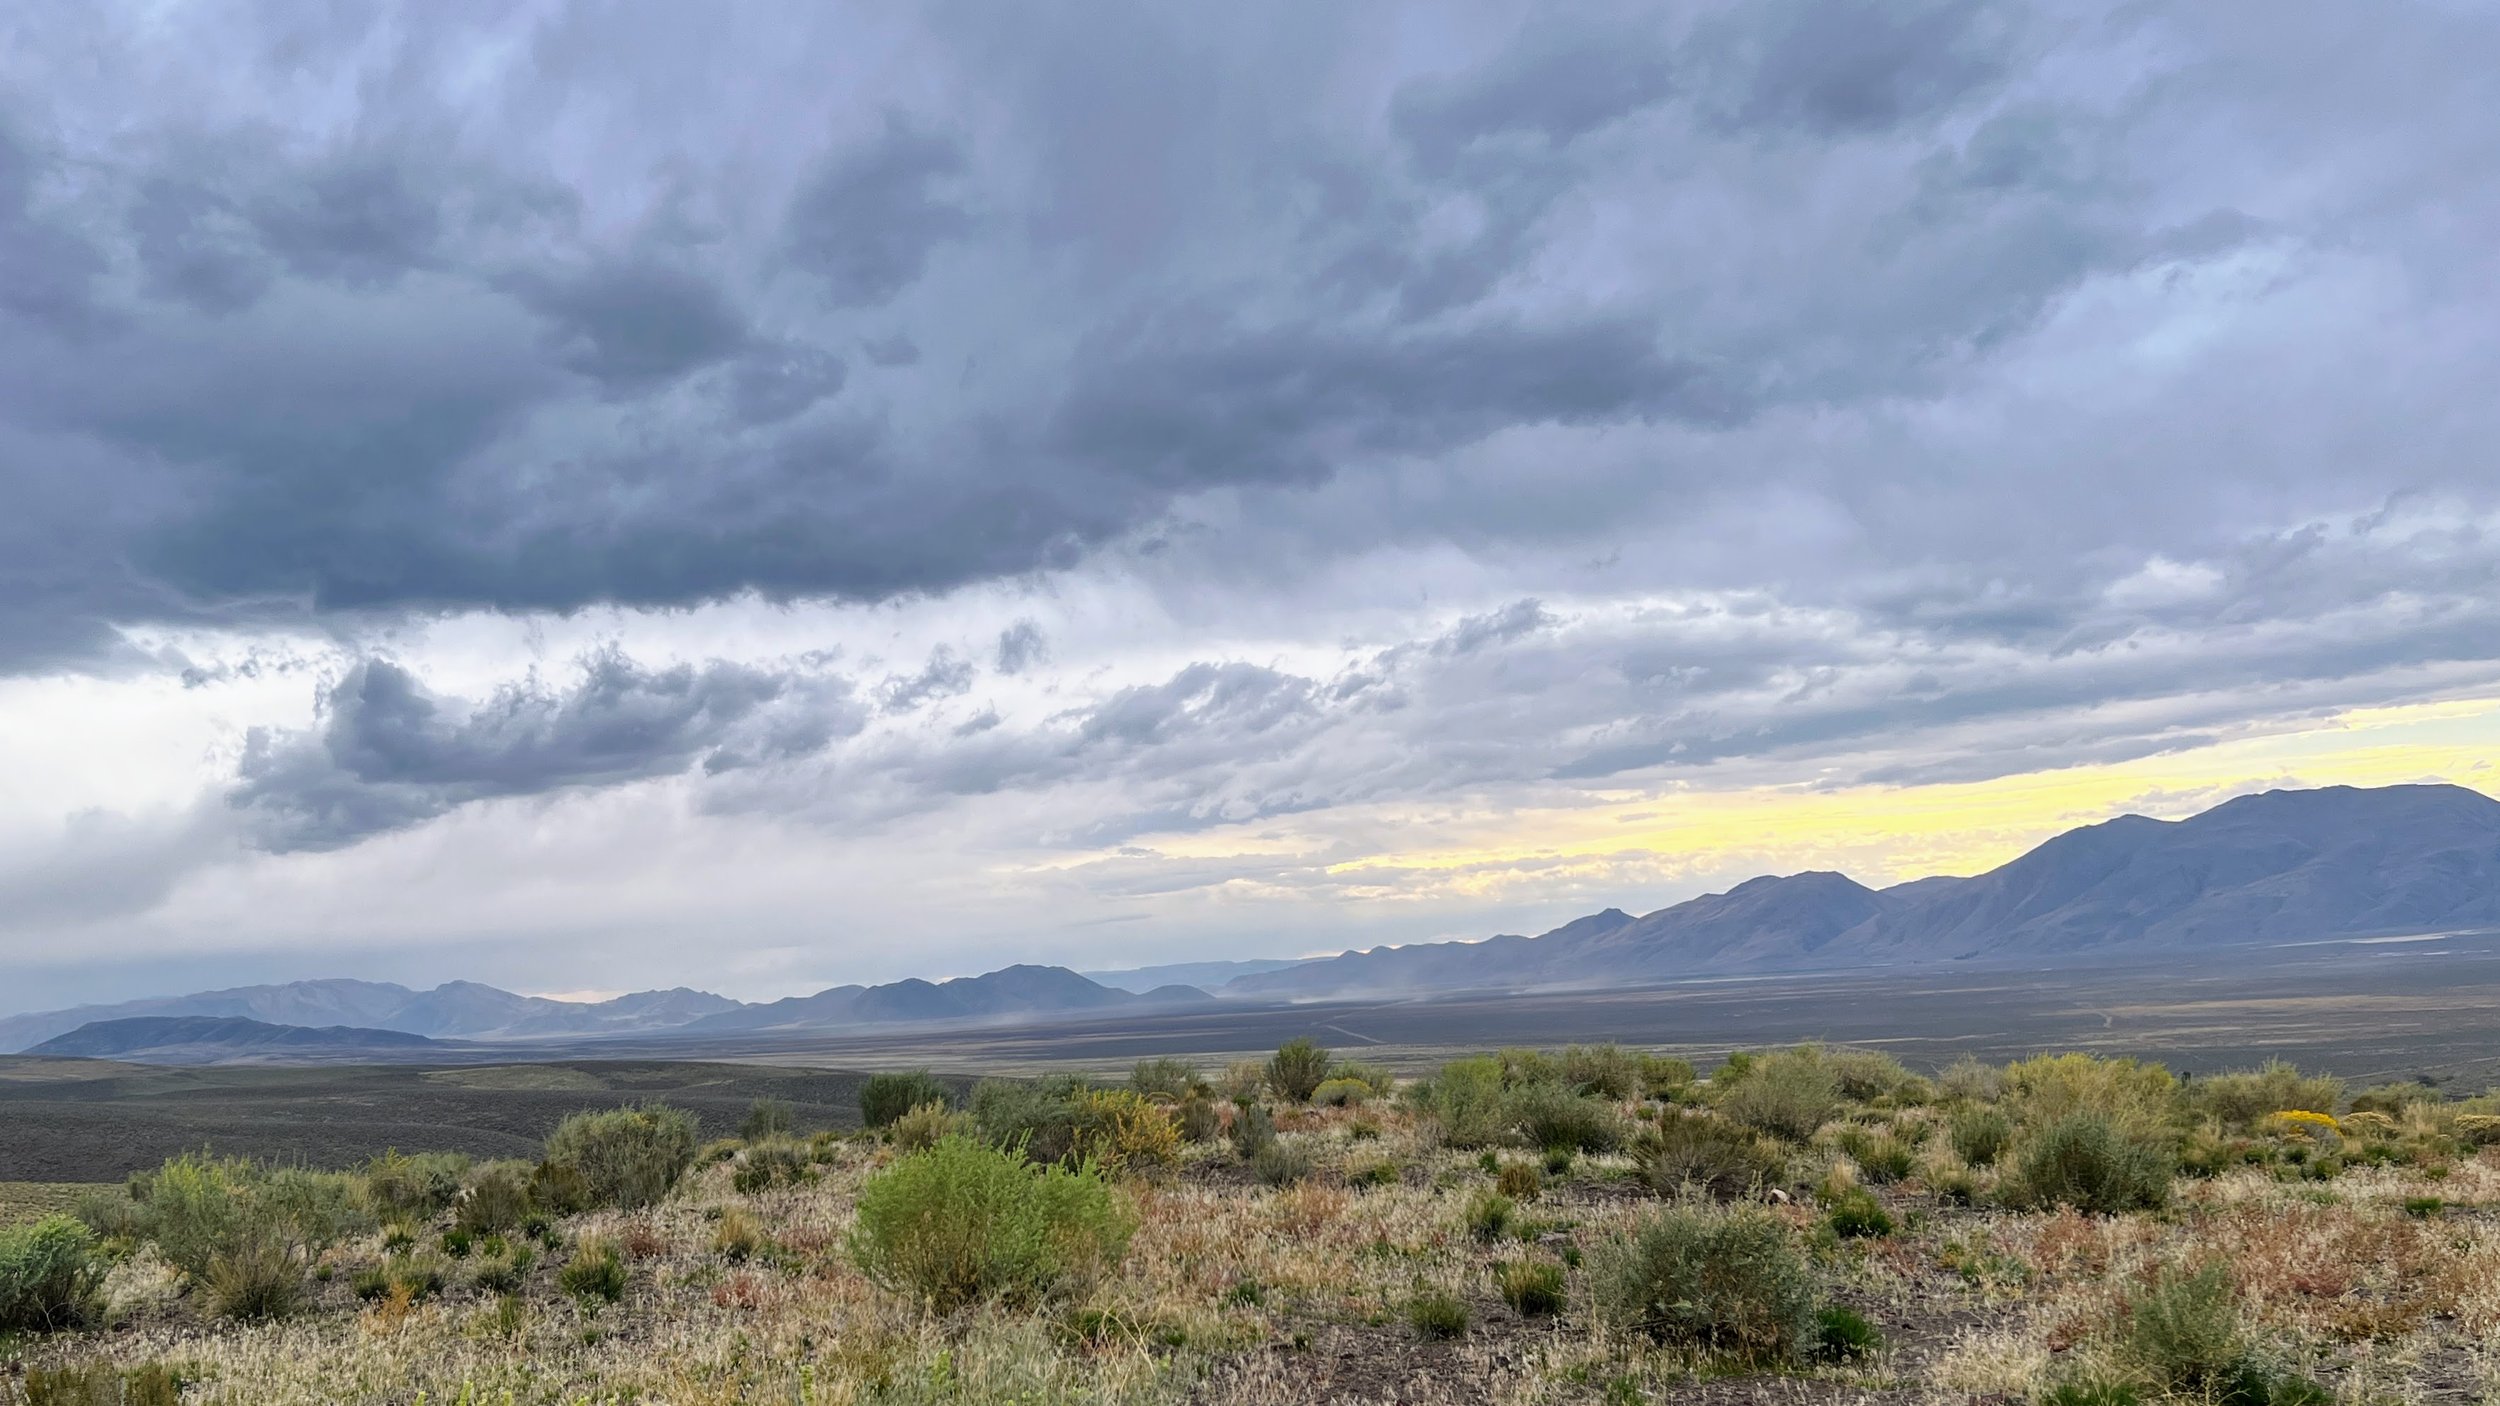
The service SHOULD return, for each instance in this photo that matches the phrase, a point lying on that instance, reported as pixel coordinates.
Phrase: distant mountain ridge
(467, 1010)
(211, 1039)
(1007, 992)
(2341, 861)
(454, 1010)
(1203, 975)
(2281, 865)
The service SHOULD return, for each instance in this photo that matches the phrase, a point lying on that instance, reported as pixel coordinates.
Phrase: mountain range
(465, 1010)
(1005, 993)
(213, 1039)
(2278, 866)
(454, 1010)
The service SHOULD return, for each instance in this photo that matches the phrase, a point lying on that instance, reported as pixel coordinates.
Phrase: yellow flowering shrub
(2306, 1122)
(1125, 1133)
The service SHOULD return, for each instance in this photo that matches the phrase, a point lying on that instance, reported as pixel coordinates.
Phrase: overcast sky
(757, 495)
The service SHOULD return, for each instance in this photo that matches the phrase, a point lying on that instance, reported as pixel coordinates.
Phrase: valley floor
(2379, 1284)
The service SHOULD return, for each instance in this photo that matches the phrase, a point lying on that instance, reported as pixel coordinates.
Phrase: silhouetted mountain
(1203, 975)
(1008, 992)
(461, 1009)
(2284, 865)
(209, 1039)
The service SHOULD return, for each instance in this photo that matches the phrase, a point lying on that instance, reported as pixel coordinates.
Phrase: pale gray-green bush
(625, 1157)
(964, 1223)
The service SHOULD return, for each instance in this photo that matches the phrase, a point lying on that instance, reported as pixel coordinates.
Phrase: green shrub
(2392, 1099)
(1375, 1172)
(1788, 1094)
(198, 1208)
(1489, 1215)
(1533, 1287)
(920, 1129)
(596, 1272)
(456, 1242)
(49, 1274)
(111, 1212)
(1980, 1135)
(2083, 1160)
(626, 1157)
(1281, 1163)
(1298, 1067)
(1664, 1075)
(1710, 1155)
(2246, 1099)
(1167, 1077)
(2140, 1100)
(559, 1190)
(2091, 1392)
(1198, 1118)
(1867, 1075)
(1335, 1092)
(254, 1279)
(1253, 1131)
(1552, 1116)
(1437, 1313)
(1603, 1071)
(1969, 1080)
(963, 1223)
(770, 1164)
(420, 1276)
(1038, 1117)
(502, 1271)
(766, 1118)
(400, 1187)
(2184, 1331)
(103, 1384)
(497, 1198)
(1856, 1213)
(888, 1096)
(1842, 1334)
(1521, 1181)
(1883, 1157)
(1526, 1066)
(1467, 1099)
(1377, 1078)
(193, 1206)
(1727, 1281)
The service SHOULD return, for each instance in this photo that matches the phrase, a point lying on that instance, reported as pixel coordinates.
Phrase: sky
(760, 495)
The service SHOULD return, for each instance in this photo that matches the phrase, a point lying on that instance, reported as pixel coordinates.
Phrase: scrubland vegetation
(1594, 1225)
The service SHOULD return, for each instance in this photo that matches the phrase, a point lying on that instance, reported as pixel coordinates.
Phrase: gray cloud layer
(1252, 413)
(389, 754)
(545, 338)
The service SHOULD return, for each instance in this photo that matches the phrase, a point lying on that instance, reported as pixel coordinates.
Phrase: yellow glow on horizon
(1889, 833)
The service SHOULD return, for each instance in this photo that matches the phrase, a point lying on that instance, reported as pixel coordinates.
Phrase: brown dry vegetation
(2361, 1267)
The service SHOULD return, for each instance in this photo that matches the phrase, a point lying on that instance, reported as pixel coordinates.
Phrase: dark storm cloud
(1991, 303)
(634, 325)
(1840, 69)
(390, 753)
(866, 220)
(47, 266)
